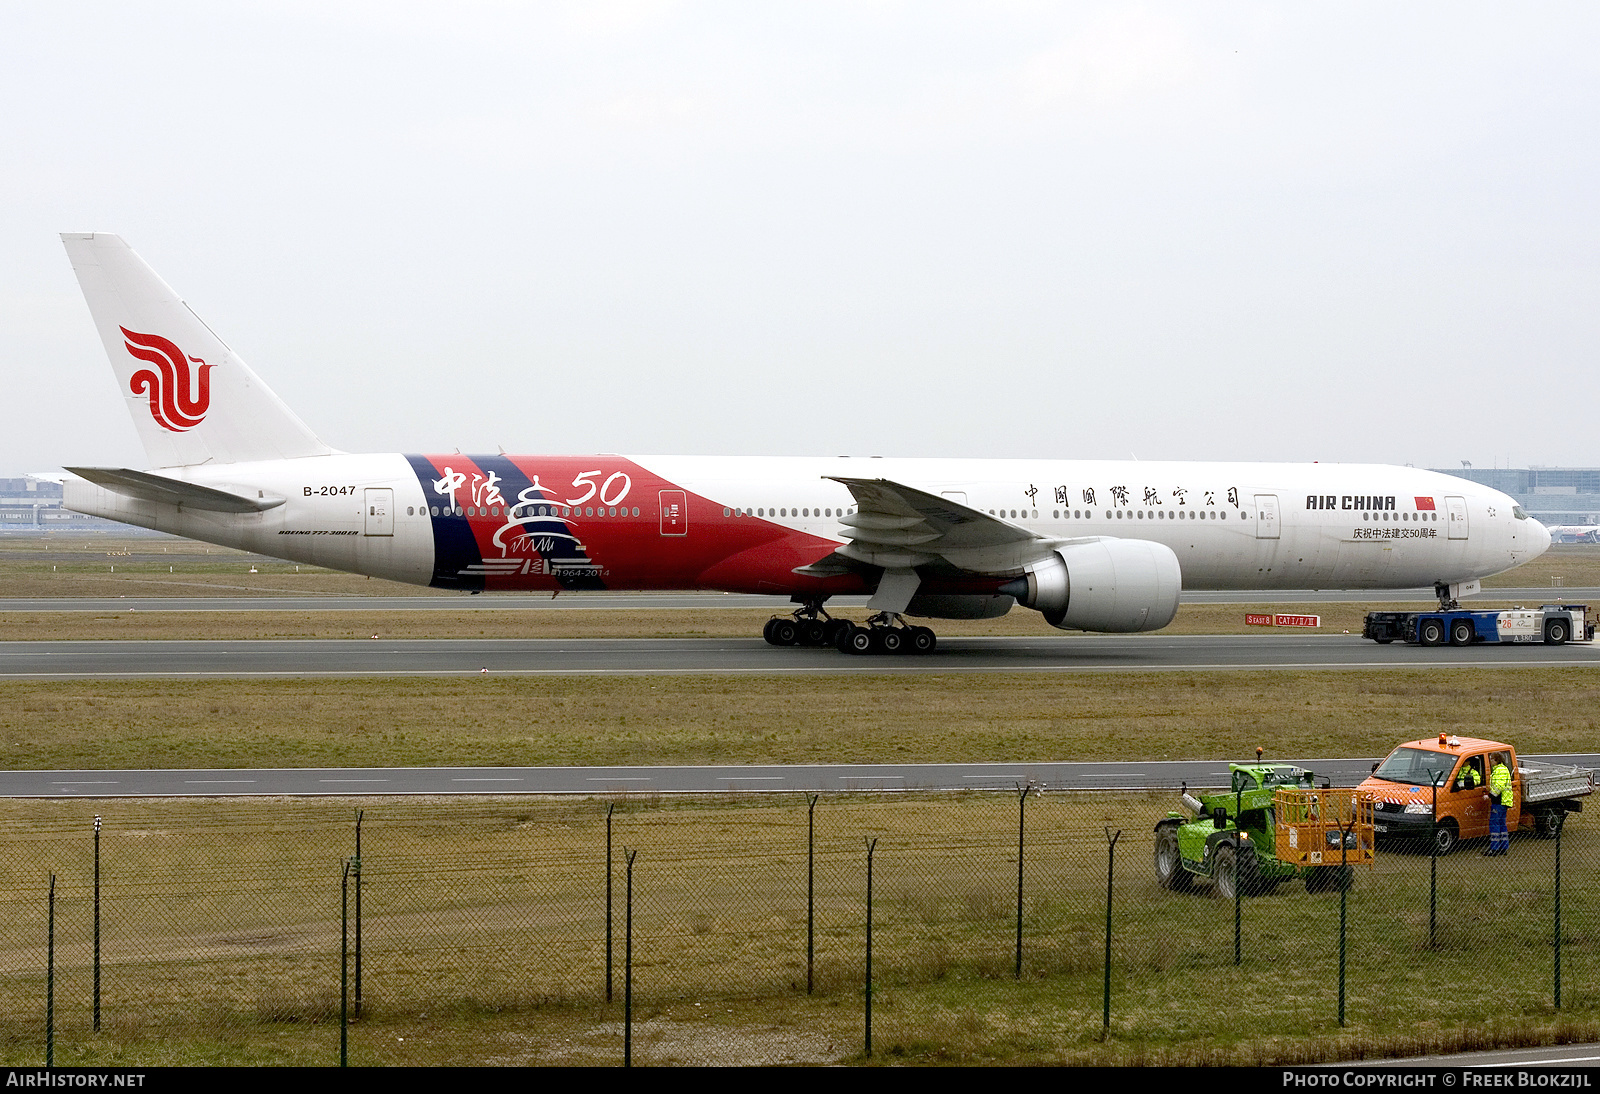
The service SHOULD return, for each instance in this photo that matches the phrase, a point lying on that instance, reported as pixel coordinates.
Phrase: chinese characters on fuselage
(1122, 496)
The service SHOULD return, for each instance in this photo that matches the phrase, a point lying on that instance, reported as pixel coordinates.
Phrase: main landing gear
(885, 632)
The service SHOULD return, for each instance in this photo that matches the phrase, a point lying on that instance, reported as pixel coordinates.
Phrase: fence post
(872, 845)
(50, 983)
(1344, 900)
(1238, 882)
(627, 969)
(1433, 869)
(811, 893)
(344, 966)
(359, 814)
(1022, 808)
(97, 923)
(1111, 865)
(610, 808)
(1559, 826)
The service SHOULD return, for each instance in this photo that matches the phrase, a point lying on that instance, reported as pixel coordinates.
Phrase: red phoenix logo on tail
(177, 401)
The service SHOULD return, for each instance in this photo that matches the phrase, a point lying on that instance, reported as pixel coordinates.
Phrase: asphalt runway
(768, 779)
(622, 601)
(687, 656)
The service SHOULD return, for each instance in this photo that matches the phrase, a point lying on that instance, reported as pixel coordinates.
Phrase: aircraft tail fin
(193, 400)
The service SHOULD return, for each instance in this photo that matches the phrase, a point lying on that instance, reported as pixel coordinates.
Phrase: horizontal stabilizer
(159, 488)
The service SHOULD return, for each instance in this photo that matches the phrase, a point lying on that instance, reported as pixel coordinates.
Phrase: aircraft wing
(160, 488)
(899, 527)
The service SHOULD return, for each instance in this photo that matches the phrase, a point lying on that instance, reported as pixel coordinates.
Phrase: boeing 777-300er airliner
(1090, 545)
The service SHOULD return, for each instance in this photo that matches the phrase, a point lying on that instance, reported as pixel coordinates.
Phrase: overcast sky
(1308, 231)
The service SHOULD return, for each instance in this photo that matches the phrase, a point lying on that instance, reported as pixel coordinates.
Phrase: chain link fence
(497, 931)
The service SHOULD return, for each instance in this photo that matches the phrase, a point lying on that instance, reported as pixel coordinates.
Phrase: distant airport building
(1559, 497)
(32, 504)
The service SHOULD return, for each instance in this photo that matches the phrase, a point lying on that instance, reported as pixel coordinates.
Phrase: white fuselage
(1231, 525)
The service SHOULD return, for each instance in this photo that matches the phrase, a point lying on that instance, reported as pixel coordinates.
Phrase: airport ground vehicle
(1552, 624)
(1273, 824)
(1402, 788)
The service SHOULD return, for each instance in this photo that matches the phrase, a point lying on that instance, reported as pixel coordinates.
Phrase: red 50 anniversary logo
(178, 401)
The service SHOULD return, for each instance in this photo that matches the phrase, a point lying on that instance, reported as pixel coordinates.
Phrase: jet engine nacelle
(1105, 585)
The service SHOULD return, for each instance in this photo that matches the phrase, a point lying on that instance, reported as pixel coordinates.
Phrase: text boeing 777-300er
(1090, 545)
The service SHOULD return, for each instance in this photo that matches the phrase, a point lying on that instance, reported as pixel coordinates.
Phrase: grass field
(554, 622)
(82, 566)
(108, 565)
(722, 719)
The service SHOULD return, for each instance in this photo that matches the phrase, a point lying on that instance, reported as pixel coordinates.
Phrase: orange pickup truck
(1402, 788)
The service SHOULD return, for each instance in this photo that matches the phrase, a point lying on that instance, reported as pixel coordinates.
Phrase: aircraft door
(674, 513)
(1472, 802)
(1267, 522)
(380, 511)
(1456, 517)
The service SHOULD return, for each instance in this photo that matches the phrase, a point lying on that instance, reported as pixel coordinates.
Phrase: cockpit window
(1519, 512)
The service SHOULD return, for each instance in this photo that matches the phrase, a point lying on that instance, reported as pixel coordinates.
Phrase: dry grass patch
(1003, 717)
(555, 621)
